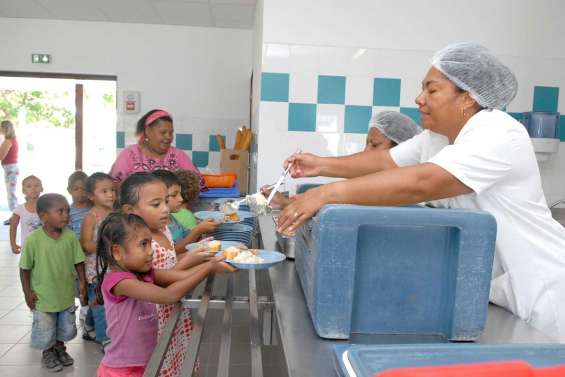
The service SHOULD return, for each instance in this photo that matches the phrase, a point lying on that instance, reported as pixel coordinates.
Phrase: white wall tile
(200, 141)
(330, 118)
(303, 87)
(304, 59)
(353, 143)
(273, 117)
(359, 90)
(276, 58)
(214, 161)
(378, 109)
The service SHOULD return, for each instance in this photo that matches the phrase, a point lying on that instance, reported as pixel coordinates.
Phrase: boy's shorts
(47, 328)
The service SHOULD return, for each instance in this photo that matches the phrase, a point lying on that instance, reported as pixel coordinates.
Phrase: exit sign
(41, 58)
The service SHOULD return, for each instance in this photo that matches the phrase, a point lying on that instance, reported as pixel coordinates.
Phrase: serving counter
(306, 354)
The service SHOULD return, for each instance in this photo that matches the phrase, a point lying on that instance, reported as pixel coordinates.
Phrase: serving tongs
(281, 179)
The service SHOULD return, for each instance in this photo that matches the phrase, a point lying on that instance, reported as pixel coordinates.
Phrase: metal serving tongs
(281, 179)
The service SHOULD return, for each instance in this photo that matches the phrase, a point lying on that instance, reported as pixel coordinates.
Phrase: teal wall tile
(545, 98)
(386, 92)
(183, 141)
(357, 119)
(331, 89)
(274, 87)
(562, 127)
(200, 159)
(120, 139)
(517, 116)
(213, 145)
(302, 117)
(413, 113)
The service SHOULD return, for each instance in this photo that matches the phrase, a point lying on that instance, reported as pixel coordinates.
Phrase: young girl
(26, 213)
(181, 236)
(80, 205)
(145, 195)
(102, 194)
(79, 208)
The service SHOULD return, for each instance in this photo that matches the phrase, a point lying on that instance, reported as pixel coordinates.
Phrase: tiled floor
(17, 358)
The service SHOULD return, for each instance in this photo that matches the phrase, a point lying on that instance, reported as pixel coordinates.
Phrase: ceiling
(207, 13)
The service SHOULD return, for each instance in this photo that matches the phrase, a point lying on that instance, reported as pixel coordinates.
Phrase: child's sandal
(89, 334)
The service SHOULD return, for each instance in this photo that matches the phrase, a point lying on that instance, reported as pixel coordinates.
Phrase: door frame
(78, 99)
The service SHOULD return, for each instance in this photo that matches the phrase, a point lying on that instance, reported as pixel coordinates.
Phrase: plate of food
(215, 245)
(220, 216)
(251, 259)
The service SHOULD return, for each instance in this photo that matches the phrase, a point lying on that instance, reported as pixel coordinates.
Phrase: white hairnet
(476, 70)
(395, 126)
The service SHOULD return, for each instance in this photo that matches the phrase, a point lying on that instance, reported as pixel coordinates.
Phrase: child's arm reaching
(193, 258)
(79, 267)
(30, 297)
(177, 283)
(14, 221)
(205, 226)
(87, 234)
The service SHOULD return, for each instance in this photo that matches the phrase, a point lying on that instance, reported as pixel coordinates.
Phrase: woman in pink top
(130, 289)
(153, 150)
(9, 158)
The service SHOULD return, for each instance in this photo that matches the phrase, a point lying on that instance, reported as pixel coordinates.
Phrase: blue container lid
(367, 360)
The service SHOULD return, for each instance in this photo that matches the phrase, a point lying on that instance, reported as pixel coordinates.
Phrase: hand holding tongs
(281, 179)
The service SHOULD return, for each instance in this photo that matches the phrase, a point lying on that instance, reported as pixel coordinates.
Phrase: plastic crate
(453, 360)
(396, 270)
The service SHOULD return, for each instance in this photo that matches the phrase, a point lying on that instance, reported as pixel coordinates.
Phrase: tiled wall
(197, 137)
(320, 99)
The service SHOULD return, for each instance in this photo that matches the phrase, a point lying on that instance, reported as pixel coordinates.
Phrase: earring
(464, 113)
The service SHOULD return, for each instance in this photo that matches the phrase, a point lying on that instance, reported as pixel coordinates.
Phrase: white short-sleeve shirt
(493, 156)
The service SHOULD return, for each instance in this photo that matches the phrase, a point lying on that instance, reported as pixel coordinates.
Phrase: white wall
(322, 37)
(200, 75)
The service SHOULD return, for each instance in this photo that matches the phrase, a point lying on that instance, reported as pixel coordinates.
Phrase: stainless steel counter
(307, 354)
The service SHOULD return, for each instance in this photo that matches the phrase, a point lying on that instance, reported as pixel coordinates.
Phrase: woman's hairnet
(395, 126)
(476, 70)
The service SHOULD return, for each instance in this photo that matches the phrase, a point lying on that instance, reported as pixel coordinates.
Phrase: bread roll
(214, 245)
(231, 252)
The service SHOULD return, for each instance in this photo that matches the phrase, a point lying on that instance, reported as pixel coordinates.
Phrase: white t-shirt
(493, 156)
(29, 221)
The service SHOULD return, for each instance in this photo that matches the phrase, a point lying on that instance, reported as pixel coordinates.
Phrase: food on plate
(246, 256)
(253, 251)
(231, 252)
(231, 216)
(214, 245)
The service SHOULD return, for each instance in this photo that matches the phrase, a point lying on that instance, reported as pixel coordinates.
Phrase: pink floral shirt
(132, 160)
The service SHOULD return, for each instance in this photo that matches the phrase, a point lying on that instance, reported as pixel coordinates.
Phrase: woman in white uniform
(471, 155)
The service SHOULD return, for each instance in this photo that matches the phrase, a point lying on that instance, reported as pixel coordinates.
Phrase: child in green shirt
(50, 256)
(181, 234)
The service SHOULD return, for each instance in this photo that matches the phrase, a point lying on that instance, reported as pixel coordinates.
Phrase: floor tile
(21, 354)
(8, 303)
(17, 317)
(3, 349)
(13, 333)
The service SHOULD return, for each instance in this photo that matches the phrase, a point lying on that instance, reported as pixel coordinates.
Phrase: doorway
(63, 123)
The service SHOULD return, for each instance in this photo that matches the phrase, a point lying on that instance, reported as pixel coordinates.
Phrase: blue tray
(232, 192)
(367, 360)
(219, 215)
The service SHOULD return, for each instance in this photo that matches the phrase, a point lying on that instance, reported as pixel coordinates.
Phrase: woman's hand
(278, 201)
(304, 165)
(302, 208)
